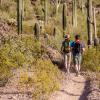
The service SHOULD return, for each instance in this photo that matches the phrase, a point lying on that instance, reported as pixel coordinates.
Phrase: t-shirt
(71, 42)
(81, 46)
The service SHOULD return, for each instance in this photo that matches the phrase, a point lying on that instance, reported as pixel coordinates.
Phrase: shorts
(77, 59)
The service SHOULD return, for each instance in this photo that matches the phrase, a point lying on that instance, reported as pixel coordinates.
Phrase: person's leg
(79, 63)
(75, 63)
(68, 63)
(65, 61)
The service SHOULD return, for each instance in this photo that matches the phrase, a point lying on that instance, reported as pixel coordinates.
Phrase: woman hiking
(66, 51)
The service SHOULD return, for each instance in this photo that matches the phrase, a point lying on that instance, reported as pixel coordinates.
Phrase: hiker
(77, 50)
(66, 51)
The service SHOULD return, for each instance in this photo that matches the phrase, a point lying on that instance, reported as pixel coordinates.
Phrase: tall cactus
(82, 5)
(23, 9)
(94, 21)
(19, 15)
(89, 22)
(54, 32)
(64, 19)
(37, 31)
(0, 2)
(45, 11)
(96, 41)
(57, 6)
(74, 14)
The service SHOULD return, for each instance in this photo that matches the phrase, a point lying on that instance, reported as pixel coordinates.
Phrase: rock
(10, 97)
(55, 56)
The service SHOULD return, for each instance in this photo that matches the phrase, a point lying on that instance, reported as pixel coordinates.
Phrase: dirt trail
(12, 90)
(73, 88)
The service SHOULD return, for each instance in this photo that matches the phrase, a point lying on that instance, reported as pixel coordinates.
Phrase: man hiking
(77, 49)
(66, 50)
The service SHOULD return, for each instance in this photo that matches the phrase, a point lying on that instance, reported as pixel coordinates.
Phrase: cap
(67, 36)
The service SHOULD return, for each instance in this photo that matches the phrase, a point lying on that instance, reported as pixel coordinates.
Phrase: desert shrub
(28, 10)
(56, 41)
(9, 7)
(19, 52)
(47, 79)
(91, 60)
(44, 78)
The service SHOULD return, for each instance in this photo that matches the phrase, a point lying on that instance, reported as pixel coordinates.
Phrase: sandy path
(73, 88)
(12, 90)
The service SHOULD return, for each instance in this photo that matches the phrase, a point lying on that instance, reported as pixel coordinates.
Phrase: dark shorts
(77, 58)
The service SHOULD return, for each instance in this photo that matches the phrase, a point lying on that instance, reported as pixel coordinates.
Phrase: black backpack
(77, 47)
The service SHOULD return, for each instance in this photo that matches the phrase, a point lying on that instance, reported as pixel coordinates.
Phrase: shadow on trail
(85, 92)
(68, 93)
(78, 81)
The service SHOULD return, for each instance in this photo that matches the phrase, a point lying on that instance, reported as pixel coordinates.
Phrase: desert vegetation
(29, 27)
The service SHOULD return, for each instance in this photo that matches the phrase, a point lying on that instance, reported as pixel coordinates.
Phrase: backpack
(66, 45)
(77, 47)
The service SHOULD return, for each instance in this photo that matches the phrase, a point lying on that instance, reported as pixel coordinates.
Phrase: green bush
(47, 79)
(91, 60)
(19, 52)
(26, 53)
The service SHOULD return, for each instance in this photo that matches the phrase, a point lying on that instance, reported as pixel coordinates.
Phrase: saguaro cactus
(0, 2)
(96, 41)
(94, 21)
(57, 6)
(36, 31)
(19, 15)
(64, 19)
(82, 5)
(54, 32)
(23, 9)
(74, 14)
(89, 22)
(45, 11)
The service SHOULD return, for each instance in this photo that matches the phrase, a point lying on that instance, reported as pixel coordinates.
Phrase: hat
(67, 36)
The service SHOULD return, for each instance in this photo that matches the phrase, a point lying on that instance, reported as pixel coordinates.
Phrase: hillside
(33, 10)
(31, 62)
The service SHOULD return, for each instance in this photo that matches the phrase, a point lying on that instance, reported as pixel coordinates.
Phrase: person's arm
(83, 47)
(72, 45)
(62, 47)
